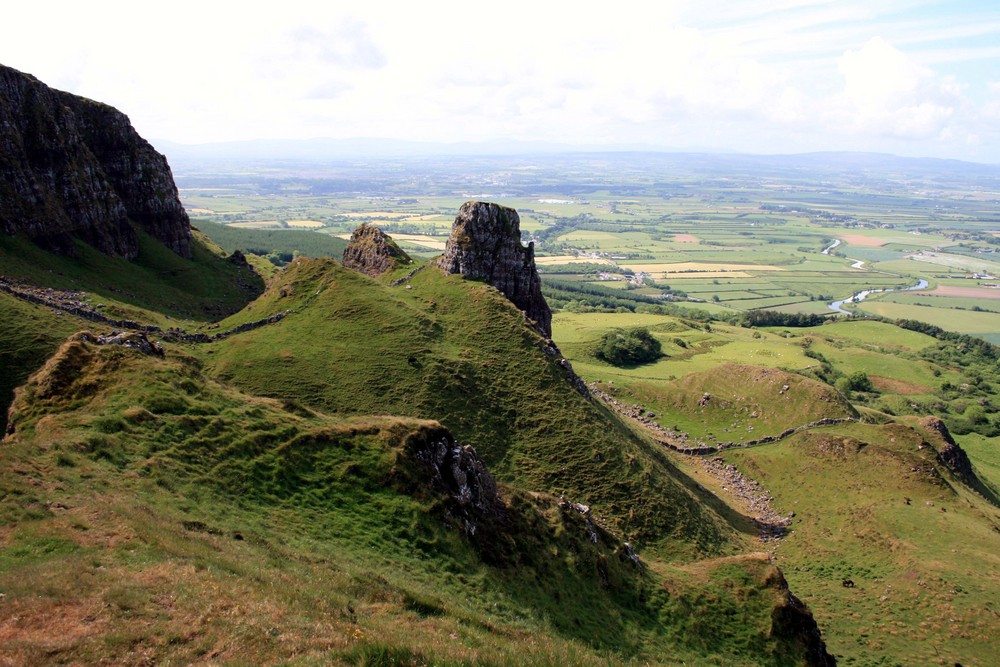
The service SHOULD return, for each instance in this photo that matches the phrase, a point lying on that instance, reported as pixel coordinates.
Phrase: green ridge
(458, 352)
(151, 510)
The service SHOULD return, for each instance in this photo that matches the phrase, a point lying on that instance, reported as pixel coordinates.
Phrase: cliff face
(373, 253)
(71, 167)
(485, 244)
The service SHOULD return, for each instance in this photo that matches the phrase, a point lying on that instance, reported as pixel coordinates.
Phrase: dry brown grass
(893, 386)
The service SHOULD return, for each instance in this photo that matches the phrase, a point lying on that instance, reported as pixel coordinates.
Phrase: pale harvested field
(420, 240)
(304, 223)
(376, 214)
(699, 267)
(686, 238)
(680, 275)
(570, 259)
(255, 224)
(862, 241)
(967, 292)
(200, 210)
(437, 217)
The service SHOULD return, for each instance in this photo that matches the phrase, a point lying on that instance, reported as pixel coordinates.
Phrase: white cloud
(887, 93)
(738, 74)
(877, 75)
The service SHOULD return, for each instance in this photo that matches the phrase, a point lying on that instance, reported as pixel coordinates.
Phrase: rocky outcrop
(485, 244)
(951, 455)
(72, 168)
(457, 472)
(793, 624)
(372, 252)
(133, 340)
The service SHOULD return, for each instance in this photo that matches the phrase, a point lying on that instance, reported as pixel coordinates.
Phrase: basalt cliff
(485, 244)
(72, 168)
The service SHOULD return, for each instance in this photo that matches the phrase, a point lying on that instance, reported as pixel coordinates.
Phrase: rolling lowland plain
(729, 262)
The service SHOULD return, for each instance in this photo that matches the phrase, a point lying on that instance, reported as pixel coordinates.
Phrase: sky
(908, 77)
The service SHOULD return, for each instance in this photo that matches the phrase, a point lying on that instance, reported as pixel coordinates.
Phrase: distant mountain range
(326, 149)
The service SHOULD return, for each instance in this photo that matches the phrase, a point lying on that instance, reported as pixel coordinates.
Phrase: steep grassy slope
(458, 352)
(155, 284)
(158, 287)
(28, 335)
(874, 506)
(150, 514)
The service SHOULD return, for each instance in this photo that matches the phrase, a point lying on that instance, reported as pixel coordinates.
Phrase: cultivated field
(720, 239)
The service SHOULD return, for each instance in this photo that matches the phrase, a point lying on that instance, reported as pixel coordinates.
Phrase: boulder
(456, 472)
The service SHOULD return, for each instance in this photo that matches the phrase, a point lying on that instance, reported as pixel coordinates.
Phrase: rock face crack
(72, 168)
(485, 244)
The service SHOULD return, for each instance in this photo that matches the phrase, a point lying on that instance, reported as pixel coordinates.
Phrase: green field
(705, 240)
(984, 324)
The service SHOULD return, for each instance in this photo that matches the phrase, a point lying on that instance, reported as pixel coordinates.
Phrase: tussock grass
(873, 506)
(223, 527)
(457, 352)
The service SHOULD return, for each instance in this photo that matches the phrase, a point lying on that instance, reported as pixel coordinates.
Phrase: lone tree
(628, 347)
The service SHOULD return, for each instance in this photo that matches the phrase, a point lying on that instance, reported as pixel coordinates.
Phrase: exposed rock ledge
(485, 244)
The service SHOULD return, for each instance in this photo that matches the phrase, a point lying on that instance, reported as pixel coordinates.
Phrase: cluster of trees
(576, 296)
(628, 347)
(773, 318)
(962, 344)
(856, 381)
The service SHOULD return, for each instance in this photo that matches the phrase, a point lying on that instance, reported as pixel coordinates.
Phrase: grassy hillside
(458, 352)
(152, 514)
(158, 287)
(737, 403)
(284, 456)
(154, 287)
(873, 506)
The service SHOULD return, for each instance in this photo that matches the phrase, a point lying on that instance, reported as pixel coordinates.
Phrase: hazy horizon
(377, 147)
(913, 78)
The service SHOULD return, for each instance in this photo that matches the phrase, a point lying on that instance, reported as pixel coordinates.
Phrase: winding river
(836, 306)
